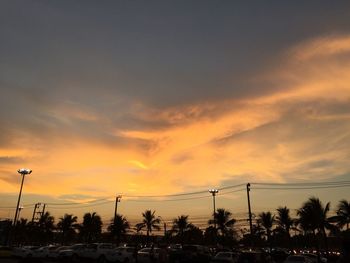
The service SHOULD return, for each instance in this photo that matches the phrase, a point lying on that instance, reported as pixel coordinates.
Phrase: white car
(54, 253)
(102, 252)
(123, 254)
(297, 259)
(144, 255)
(73, 252)
(43, 252)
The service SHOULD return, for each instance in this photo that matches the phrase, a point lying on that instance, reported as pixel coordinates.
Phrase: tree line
(313, 227)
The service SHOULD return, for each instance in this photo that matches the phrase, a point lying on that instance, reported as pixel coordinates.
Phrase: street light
(23, 172)
(214, 192)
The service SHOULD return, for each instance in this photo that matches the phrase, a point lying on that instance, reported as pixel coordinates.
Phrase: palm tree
(150, 222)
(343, 214)
(223, 221)
(267, 220)
(46, 222)
(91, 227)
(67, 225)
(180, 225)
(283, 219)
(45, 227)
(193, 234)
(313, 217)
(119, 227)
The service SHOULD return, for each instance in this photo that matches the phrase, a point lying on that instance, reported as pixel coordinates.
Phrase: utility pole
(37, 214)
(117, 200)
(34, 211)
(249, 211)
(43, 212)
(213, 193)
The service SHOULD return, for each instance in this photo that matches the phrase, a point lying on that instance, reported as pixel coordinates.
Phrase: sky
(160, 98)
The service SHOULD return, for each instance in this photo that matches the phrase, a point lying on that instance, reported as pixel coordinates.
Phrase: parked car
(195, 253)
(145, 255)
(225, 257)
(100, 252)
(43, 252)
(53, 253)
(123, 254)
(73, 253)
(297, 259)
(314, 258)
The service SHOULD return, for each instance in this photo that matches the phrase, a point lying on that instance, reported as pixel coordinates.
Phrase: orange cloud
(297, 132)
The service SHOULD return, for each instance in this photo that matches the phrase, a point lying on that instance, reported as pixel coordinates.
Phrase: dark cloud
(160, 54)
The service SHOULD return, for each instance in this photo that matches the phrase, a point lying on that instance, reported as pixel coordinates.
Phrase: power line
(182, 194)
(283, 186)
(301, 188)
(146, 201)
(305, 183)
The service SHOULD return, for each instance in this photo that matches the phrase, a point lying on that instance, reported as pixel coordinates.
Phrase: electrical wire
(274, 186)
(305, 183)
(300, 188)
(182, 194)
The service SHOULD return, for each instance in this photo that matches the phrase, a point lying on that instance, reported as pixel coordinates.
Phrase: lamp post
(23, 172)
(213, 193)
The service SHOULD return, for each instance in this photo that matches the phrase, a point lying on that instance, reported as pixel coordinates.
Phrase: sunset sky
(101, 98)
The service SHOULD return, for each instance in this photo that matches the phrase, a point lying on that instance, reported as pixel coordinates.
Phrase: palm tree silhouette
(91, 227)
(150, 222)
(180, 225)
(313, 216)
(67, 225)
(284, 221)
(46, 222)
(343, 214)
(223, 220)
(119, 227)
(267, 220)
